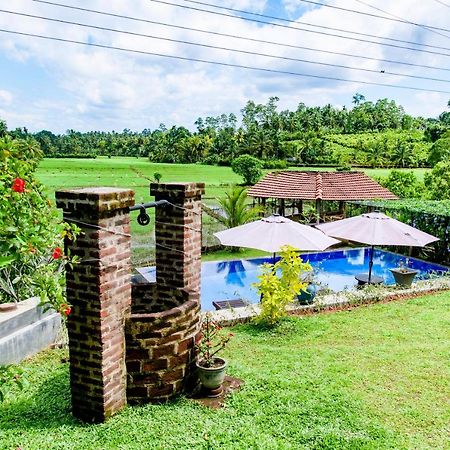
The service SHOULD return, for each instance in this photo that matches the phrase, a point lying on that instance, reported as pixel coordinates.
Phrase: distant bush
(440, 150)
(248, 167)
(438, 181)
(403, 184)
(211, 160)
(277, 164)
(72, 155)
(344, 168)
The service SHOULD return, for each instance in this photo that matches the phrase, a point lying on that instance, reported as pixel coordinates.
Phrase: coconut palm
(235, 210)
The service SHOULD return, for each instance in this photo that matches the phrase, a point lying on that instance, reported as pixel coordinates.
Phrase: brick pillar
(99, 288)
(178, 238)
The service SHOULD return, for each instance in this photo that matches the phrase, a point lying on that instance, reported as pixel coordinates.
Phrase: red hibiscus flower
(65, 309)
(57, 253)
(18, 185)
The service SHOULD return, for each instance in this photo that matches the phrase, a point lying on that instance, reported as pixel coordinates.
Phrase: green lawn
(376, 377)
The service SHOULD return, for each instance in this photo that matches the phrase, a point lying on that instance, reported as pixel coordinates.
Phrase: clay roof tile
(310, 185)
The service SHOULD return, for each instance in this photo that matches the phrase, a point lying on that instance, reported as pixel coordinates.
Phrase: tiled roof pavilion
(311, 185)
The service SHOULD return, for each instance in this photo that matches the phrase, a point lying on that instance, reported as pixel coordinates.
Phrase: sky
(54, 85)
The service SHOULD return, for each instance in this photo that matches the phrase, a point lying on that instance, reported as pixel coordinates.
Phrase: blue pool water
(226, 280)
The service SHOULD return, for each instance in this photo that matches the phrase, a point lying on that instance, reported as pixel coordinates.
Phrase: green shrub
(278, 291)
(31, 259)
(210, 160)
(403, 184)
(344, 168)
(440, 150)
(248, 167)
(438, 181)
(277, 164)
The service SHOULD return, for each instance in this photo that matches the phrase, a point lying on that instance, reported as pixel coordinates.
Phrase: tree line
(375, 134)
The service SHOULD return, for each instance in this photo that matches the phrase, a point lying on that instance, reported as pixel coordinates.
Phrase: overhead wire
(354, 11)
(286, 20)
(443, 3)
(229, 49)
(323, 33)
(221, 63)
(424, 27)
(245, 38)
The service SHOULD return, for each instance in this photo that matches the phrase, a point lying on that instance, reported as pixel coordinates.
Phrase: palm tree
(235, 209)
(358, 99)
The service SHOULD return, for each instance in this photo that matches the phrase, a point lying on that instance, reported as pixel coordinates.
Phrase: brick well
(165, 319)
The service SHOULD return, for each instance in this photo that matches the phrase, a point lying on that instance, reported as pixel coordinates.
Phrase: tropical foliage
(373, 134)
(438, 181)
(235, 208)
(31, 259)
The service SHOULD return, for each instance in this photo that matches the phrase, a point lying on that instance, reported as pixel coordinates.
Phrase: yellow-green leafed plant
(279, 284)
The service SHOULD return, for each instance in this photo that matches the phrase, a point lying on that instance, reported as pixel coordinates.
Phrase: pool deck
(369, 294)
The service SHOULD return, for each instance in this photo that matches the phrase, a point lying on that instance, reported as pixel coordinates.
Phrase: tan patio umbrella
(272, 233)
(376, 229)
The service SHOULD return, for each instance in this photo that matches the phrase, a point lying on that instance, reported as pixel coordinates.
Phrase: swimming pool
(226, 280)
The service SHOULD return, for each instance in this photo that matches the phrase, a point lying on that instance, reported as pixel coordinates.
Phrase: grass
(376, 377)
(228, 254)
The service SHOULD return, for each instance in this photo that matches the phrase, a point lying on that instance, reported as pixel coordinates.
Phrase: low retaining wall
(160, 352)
(26, 331)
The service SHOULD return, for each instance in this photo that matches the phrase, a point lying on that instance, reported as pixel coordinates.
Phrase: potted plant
(306, 296)
(211, 368)
(308, 292)
(403, 274)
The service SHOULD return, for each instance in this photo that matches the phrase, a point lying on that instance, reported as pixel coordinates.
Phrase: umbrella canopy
(377, 229)
(272, 233)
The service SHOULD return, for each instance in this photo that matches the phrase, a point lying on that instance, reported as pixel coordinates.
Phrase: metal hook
(143, 218)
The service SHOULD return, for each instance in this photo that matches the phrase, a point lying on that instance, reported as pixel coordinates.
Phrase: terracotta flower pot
(7, 307)
(212, 377)
(404, 277)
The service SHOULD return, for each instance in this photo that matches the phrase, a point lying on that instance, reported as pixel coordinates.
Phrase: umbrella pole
(273, 258)
(370, 264)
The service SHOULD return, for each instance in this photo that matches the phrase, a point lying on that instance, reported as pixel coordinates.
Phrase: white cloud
(105, 89)
(6, 98)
